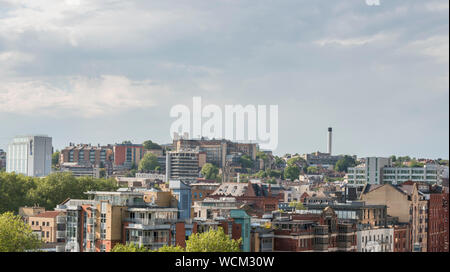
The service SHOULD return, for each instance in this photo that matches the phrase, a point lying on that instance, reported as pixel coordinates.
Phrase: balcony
(61, 219)
(90, 236)
(90, 221)
(150, 222)
(60, 234)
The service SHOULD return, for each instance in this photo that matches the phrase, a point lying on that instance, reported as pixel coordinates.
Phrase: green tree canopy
(212, 241)
(246, 161)
(312, 169)
(15, 235)
(55, 158)
(209, 171)
(148, 163)
(151, 145)
(343, 164)
(291, 172)
(297, 205)
(129, 248)
(262, 155)
(17, 190)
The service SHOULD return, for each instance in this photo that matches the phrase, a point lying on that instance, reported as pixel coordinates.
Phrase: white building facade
(30, 155)
(375, 240)
(380, 171)
(369, 172)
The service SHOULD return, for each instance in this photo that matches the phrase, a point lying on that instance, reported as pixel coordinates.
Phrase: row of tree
(18, 190)
(210, 241)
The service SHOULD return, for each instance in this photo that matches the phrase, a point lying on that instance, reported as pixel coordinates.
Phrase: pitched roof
(49, 214)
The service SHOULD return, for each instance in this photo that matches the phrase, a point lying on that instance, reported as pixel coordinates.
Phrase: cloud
(9, 60)
(357, 41)
(82, 97)
(441, 6)
(436, 47)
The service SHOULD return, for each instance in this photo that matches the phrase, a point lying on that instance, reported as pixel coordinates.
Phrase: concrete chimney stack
(330, 139)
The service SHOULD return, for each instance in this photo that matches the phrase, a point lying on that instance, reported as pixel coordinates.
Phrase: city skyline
(377, 74)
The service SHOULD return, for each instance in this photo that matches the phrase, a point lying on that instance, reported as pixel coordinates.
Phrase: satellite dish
(72, 246)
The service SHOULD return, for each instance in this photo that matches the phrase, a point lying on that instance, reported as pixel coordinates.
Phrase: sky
(105, 71)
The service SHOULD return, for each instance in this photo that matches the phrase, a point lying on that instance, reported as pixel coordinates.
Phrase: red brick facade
(437, 240)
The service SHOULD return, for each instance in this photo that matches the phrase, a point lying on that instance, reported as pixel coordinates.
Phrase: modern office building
(184, 165)
(369, 172)
(429, 173)
(30, 155)
(376, 170)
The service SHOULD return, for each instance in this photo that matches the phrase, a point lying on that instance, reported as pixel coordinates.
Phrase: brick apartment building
(216, 150)
(128, 154)
(256, 195)
(406, 203)
(46, 226)
(402, 238)
(313, 233)
(86, 153)
(438, 222)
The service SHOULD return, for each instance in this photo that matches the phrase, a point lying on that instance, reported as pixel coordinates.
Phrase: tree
(292, 172)
(273, 173)
(262, 155)
(171, 249)
(55, 159)
(312, 169)
(18, 190)
(343, 164)
(261, 174)
(246, 161)
(129, 248)
(148, 163)
(297, 205)
(212, 241)
(279, 162)
(209, 171)
(415, 163)
(15, 235)
(151, 145)
(296, 161)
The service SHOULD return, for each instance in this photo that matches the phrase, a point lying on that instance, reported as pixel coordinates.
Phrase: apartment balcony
(90, 221)
(61, 248)
(60, 234)
(61, 219)
(151, 222)
(90, 236)
(149, 241)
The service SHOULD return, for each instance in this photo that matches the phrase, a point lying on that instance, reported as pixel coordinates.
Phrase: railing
(61, 219)
(61, 248)
(90, 236)
(90, 221)
(149, 240)
(151, 222)
(60, 234)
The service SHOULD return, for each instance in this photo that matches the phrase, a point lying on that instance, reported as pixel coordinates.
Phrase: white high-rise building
(377, 170)
(368, 172)
(30, 155)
